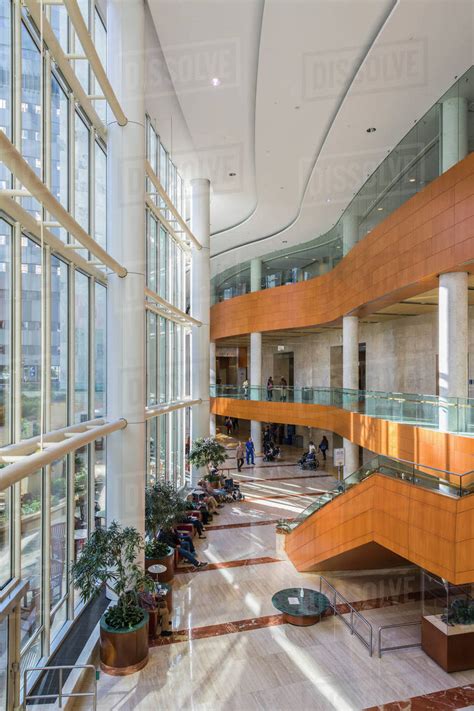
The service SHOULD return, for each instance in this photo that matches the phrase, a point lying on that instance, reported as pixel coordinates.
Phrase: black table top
(300, 602)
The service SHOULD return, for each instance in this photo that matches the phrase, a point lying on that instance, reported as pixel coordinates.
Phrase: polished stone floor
(231, 650)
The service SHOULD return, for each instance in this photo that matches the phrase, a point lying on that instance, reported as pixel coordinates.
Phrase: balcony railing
(446, 414)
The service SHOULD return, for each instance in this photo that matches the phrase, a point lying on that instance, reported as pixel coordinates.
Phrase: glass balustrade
(440, 481)
(448, 414)
(408, 168)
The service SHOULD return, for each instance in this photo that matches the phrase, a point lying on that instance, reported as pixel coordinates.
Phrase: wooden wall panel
(414, 523)
(431, 448)
(432, 232)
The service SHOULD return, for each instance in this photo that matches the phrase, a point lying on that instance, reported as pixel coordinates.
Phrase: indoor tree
(205, 451)
(109, 559)
(162, 508)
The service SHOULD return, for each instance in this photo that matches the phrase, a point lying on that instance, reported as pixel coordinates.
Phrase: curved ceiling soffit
(375, 35)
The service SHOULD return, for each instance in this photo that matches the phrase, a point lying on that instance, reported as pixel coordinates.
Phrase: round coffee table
(300, 606)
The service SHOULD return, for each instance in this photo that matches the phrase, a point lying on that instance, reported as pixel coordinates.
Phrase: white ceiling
(300, 82)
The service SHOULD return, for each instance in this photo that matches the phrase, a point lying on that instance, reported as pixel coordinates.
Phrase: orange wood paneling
(431, 448)
(432, 232)
(417, 524)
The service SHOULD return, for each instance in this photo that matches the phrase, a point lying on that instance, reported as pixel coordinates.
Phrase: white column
(126, 239)
(454, 134)
(350, 232)
(255, 274)
(256, 352)
(256, 381)
(200, 309)
(453, 344)
(350, 379)
(212, 380)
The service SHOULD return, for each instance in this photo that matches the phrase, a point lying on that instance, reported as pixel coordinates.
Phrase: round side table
(300, 606)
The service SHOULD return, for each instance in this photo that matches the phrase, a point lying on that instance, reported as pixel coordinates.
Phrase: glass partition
(432, 146)
(410, 408)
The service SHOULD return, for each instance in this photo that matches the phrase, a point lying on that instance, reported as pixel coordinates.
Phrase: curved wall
(403, 256)
(431, 448)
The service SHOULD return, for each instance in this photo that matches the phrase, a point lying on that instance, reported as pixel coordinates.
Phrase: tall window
(5, 331)
(31, 123)
(31, 318)
(58, 545)
(81, 360)
(5, 82)
(59, 343)
(100, 349)
(81, 191)
(100, 218)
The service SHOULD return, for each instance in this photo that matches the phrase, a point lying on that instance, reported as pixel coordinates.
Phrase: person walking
(250, 451)
(324, 446)
(270, 388)
(228, 425)
(245, 387)
(283, 389)
(239, 455)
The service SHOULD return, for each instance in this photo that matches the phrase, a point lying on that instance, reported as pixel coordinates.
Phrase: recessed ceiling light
(411, 180)
(380, 209)
(215, 81)
(371, 129)
(328, 199)
(232, 175)
(286, 257)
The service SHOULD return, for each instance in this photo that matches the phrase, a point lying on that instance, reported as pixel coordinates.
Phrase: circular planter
(125, 651)
(167, 561)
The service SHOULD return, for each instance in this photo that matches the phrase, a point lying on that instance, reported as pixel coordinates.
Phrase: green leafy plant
(207, 451)
(460, 612)
(156, 549)
(109, 558)
(162, 508)
(30, 504)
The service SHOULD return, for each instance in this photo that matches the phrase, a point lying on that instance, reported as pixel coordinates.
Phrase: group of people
(283, 388)
(247, 451)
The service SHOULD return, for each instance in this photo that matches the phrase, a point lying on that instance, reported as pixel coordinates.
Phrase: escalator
(386, 513)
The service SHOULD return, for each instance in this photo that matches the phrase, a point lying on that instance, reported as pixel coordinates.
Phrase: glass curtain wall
(52, 326)
(166, 364)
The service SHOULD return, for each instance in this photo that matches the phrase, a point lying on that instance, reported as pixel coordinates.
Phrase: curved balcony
(412, 165)
(396, 425)
(400, 258)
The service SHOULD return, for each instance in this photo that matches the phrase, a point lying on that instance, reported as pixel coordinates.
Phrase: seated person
(210, 491)
(196, 524)
(172, 539)
(199, 506)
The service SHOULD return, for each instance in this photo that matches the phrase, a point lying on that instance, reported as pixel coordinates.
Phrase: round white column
(350, 380)
(256, 381)
(255, 274)
(350, 232)
(200, 309)
(212, 380)
(126, 241)
(256, 351)
(454, 133)
(453, 344)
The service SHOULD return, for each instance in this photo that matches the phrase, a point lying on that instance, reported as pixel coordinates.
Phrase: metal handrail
(353, 612)
(60, 695)
(399, 646)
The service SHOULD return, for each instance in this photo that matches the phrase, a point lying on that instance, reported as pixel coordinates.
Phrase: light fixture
(328, 199)
(380, 209)
(371, 129)
(284, 241)
(232, 175)
(411, 180)
(286, 257)
(215, 81)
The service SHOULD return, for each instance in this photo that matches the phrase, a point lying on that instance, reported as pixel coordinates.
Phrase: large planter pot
(167, 561)
(123, 652)
(451, 646)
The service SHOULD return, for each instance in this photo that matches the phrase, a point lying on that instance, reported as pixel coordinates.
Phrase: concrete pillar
(454, 133)
(255, 274)
(200, 309)
(453, 345)
(126, 239)
(350, 232)
(256, 353)
(212, 380)
(350, 380)
(255, 380)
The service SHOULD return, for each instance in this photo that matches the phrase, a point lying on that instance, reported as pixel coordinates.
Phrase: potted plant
(449, 638)
(162, 510)
(206, 451)
(109, 559)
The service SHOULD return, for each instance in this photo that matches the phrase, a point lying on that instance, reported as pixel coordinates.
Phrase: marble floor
(231, 649)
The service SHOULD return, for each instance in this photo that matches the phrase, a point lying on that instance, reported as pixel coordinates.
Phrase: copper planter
(125, 651)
